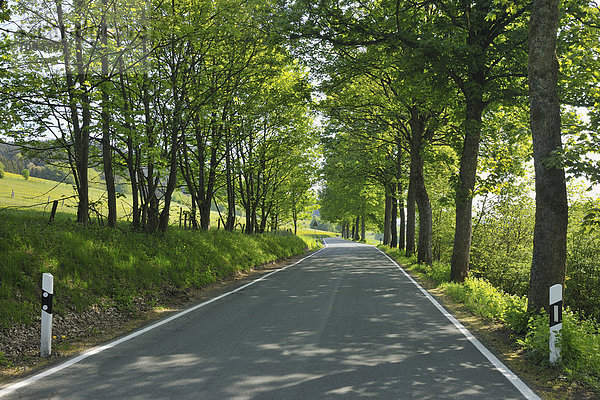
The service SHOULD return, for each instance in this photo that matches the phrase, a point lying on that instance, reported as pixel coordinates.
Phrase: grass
(313, 237)
(104, 267)
(37, 194)
(580, 338)
(491, 303)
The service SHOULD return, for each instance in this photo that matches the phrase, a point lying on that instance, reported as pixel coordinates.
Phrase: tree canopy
(408, 119)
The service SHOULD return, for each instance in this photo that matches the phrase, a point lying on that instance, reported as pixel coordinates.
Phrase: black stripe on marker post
(555, 313)
(47, 302)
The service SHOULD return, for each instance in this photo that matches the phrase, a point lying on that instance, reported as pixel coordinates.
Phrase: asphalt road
(345, 323)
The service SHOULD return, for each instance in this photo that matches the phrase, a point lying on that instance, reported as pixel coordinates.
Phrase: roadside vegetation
(446, 126)
(122, 273)
(448, 132)
(579, 339)
(98, 266)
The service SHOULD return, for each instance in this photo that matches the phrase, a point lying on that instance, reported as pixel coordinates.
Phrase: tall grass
(101, 266)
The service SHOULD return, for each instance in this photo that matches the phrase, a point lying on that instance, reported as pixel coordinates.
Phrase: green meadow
(38, 194)
(104, 267)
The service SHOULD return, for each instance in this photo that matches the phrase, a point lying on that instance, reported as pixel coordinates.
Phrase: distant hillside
(15, 161)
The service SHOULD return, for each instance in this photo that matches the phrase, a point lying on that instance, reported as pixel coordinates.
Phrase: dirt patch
(73, 333)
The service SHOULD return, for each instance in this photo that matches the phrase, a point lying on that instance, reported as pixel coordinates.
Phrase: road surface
(345, 323)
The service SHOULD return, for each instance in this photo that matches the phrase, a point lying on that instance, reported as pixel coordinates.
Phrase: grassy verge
(314, 238)
(524, 339)
(113, 268)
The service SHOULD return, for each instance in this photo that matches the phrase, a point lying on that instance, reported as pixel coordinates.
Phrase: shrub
(579, 341)
(25, 174)
(439, 272)
(483, 299)
(582, 286)
(502, 245)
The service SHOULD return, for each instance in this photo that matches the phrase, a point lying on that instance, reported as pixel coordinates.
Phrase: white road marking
(512, 378)
(26, 382)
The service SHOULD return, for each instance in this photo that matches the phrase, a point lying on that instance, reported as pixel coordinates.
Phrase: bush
(582, 286)
(579, 341)
(25, 174)
(502, 245)
(483, 299)
(1, 170)
(438, 272)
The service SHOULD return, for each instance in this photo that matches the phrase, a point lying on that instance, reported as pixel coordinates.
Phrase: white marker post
(47, 293)
(555, 320)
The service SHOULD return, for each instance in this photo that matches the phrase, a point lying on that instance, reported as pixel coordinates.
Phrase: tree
(579, 76)
(107, 158)
(368, 139)
(25, 174)
(479, 46)
(352, 194)
(1, 170)
(551, 216)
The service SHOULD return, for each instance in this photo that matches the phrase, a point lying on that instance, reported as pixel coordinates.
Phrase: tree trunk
(417, 127)
(295, 218)
(410, 220)
(150, 211)
(274, 222)
(77, 99)
(394, 221)
(551, 216)
(464, 190)
(387, 220)
(402, 229)
(400, 192)
(171, 182)
(424, 253)
(83, 141)
(201, 196)
(109, 177)
(230, 184)
(135, 219)
(207, 182)
(264, 216)
(363, 228)
(173, 163)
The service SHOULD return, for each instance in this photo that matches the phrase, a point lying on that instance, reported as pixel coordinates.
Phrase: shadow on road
(345, 324)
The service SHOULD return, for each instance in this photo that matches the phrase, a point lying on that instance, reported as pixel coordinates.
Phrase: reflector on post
(555, 321)
(47, 294)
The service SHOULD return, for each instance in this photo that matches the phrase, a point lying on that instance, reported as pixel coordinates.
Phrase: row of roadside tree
(200, 95)
(450, 100)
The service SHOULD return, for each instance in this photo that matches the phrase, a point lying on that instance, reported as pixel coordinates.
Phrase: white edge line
(26, 382)
(512, 378)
